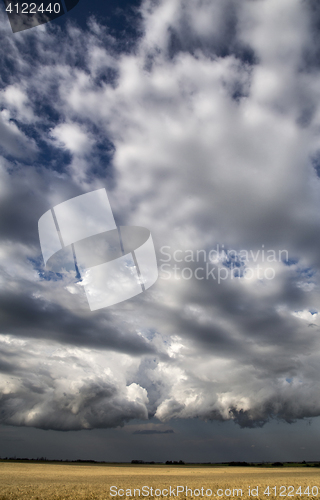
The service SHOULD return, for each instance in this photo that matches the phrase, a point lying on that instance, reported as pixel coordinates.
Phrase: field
(38, 481)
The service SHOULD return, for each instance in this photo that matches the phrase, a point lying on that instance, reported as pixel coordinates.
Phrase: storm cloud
(206, 132)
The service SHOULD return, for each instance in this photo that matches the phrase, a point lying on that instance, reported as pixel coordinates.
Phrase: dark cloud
(40, 318)
(203, 133)
(153, 431)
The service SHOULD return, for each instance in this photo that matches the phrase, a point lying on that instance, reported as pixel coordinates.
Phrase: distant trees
(239, 464)
(169, 462)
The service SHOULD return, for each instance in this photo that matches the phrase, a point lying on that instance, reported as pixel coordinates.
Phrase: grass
(60, 481)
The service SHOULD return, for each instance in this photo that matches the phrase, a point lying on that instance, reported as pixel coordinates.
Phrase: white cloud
(65, 392)
(15, 99)
(213, 136)
(73, 138)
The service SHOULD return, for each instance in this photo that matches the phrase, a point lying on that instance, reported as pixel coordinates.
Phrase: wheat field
(38, 481)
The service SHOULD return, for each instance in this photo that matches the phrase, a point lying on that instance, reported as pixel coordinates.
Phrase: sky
(201, 119)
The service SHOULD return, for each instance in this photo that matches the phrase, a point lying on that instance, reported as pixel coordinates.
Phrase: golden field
(38, 481)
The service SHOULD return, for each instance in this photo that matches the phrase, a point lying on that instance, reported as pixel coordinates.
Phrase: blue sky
(201, 119)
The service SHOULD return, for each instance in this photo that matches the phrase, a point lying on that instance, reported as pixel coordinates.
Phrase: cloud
(72, 137)
(206, 133)
(153, 431)
(55, 388)
(13, 141)
(16, 100)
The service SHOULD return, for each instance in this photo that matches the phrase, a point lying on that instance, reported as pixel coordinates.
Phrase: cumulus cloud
(66, 393)
(207, 133)
(72, 138)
